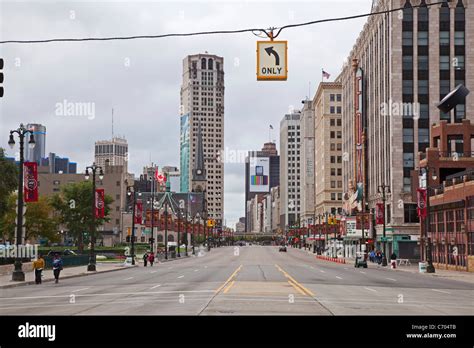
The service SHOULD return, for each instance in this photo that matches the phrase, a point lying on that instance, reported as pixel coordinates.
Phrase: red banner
(380, 213)
(99, 203)
(30, 182)
(138, 212)
(421, 193)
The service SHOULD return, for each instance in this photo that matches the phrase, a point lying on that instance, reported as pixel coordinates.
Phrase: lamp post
(429, 259)
(94, 168)
(18, 274)
(196, 218)
(166, 229)
(178, 215)
(326, 225)
(131, 193)
(152, 239)
(204, 216)
(384, 189)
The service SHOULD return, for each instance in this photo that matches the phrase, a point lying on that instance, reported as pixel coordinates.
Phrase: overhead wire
(268, 32)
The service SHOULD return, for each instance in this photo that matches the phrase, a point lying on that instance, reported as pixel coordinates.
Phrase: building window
(333, 196)
(331, 97)
(332, 110)
(339, 97)
(339, 110)
(410, 212)
(333, 134)
(332, 122)
(408, 135)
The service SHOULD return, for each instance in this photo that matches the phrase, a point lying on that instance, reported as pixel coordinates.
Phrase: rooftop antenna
(112, 123)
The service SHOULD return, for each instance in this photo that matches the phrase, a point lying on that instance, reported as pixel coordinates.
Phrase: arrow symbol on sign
(271, 51)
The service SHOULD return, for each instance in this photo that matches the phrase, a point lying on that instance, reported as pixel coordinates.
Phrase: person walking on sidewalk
(151, 258)
(38, 266)
(57, 267)
(145, 259)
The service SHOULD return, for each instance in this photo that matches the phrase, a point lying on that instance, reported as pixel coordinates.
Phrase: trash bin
(422, 267)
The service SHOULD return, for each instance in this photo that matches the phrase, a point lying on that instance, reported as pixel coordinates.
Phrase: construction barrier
(332, 259)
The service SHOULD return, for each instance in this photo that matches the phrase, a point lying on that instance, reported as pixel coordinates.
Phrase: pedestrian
(378, 257)
(151, 258)
(393, 260)
(57, 267)
(145, 259)
(38, 266)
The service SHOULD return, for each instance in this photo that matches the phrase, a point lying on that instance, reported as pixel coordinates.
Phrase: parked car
(282, 248)
(64, 252)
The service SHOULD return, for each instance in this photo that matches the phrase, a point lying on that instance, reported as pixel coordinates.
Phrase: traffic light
(1, 77)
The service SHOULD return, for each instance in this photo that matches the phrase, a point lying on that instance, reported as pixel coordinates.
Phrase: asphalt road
(244, 281)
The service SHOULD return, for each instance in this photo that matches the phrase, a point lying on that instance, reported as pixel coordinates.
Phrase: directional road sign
(272, 60)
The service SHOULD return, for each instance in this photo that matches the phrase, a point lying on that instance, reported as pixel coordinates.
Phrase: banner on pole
(99, 203)
(30, 181)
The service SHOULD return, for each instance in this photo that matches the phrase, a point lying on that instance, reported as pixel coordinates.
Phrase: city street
(249, 280)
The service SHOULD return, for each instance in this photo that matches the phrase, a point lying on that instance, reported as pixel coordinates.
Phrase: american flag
(326, 75)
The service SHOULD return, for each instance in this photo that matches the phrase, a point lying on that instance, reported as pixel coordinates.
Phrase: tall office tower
(290, 170)
(268, 162)
(202, 99)
(112, 152)
(327, 106)
(400, 67)
(39, 151)
(307, 164)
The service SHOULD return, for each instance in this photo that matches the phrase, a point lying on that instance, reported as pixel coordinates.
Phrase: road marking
(110, 294)
(156, 286)
(170, 267)
(362, 272)
(229, 279)
(196, 270)
(205, 266)
(153, 271)
(394, 280)
(229, 286)
(338, 277)
(322, 271)
(444, 292)
(128, 278)
(311, 267)
(307, 291)
(370, 289)
(80, 289)
(181, 276)
(296, 287)
(346, 268)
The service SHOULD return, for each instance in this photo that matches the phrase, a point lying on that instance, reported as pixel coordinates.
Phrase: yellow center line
(306, 291)
(229, 286)
(296, 287)
(229, 279)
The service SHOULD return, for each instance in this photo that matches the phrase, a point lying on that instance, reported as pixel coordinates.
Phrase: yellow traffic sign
(272, 60)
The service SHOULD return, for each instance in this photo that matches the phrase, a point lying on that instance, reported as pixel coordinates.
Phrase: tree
(8, 182)
(74, 206)
(39, 220)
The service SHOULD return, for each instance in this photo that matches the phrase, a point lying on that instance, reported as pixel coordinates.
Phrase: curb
(65, 277)
(331, 259)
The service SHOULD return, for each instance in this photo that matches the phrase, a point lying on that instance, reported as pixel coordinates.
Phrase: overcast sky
(141, 79)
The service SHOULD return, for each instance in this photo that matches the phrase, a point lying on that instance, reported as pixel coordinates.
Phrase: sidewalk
(413, 268)
(68, 272)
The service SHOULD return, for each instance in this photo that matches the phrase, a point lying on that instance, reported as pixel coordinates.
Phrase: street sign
(272, 60)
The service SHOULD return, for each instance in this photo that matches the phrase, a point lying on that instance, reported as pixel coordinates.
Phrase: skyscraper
(268, 155)
(290, 171)
(39, 151)
(202, 99)
(113, 152)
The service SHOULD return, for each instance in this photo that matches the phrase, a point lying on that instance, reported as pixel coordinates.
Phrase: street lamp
(18, 274)
(383, 189)
(429, 268)
(133, 195)
(91, 267)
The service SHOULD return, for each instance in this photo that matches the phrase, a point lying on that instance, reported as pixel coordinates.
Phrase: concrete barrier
(8, 269)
